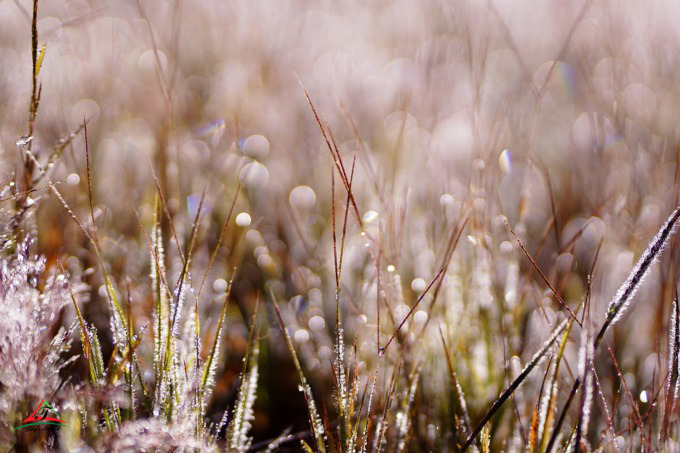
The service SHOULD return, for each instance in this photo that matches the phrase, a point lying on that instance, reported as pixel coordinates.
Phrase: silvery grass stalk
(549, 403)
(161, 308)
(460, 411)
(585, 368)
(243, 411)
(403, 423)
(315, 422)
(673, 370)
(210, 365)
(370, 405)
(381, 426)
(622, 298)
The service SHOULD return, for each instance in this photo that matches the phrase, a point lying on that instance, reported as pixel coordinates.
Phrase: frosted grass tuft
(29, 359)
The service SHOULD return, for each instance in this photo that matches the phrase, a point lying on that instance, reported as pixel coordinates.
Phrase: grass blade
(621, 300)
(210, 364)
(673, 365)
(535, 360)
(586, 376)
(316, 424)
(243, 411)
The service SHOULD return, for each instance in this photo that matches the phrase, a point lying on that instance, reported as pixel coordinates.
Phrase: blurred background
(560, 117)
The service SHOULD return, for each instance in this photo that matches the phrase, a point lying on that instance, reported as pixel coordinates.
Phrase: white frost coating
(160, 313)
(243, 412)
(621, 300)
(179, 295)
(544, 406)
(370, 401)
(27, 363)
(149, 434)
(674, 359)
(311, 405)
(403, 422)
(340, 366)
(585, 364)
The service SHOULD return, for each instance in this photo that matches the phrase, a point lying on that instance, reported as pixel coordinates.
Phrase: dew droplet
(400, 311)
(301, 335)
(446, 200)
(420, 317)
(302, 197)
(254, 175)
(73, 179)
(317, 323)
(243, 219)
(418, 285)
(220, 285)
(255, 146)
(24, 140)
(264, 260)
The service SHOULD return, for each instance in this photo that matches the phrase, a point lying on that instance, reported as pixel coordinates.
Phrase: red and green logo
(40, 416)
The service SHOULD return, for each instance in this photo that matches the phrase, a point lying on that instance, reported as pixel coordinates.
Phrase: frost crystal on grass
(161, 301)
(154, 435)
(29, 356)
(404, 416)
(544, 406)
(340, 366)
(243, 412)
(585, 365)
(621, 300)
(673, 359)
(673, 370)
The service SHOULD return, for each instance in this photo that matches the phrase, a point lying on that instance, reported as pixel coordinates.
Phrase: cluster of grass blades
(183, 382)
(615, 310)
(132, 399)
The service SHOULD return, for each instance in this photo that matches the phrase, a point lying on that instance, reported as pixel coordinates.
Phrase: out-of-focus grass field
(435, 195)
